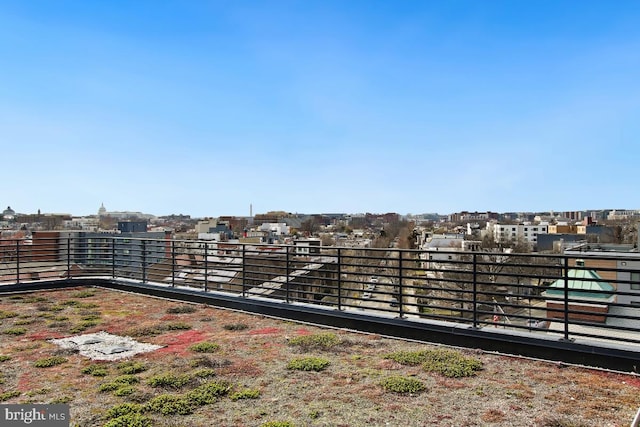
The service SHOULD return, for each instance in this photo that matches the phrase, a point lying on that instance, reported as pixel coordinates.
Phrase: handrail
(478, 289)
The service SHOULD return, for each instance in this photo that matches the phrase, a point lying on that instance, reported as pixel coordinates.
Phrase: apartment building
(527, 232)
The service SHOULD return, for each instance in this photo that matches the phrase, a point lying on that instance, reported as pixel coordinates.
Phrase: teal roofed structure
(583, 285)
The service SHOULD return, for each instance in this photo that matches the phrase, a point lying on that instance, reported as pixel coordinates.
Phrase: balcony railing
(558, 296)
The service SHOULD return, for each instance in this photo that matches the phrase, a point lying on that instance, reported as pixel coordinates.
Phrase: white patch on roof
(105, 346)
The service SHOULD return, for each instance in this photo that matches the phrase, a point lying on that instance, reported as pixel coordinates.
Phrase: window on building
(635, 281)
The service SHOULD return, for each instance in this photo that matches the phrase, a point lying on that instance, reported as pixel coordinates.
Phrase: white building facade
(526, 232)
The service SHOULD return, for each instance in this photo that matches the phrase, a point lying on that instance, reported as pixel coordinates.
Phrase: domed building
(8, 214)
(102, 211)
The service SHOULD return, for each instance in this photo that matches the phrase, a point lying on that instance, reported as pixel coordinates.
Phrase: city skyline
(464, 215)
(204, 108)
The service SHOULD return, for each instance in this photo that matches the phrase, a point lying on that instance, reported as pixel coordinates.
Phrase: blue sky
(206, 107)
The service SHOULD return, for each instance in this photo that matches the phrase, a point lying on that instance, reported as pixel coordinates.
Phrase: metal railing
(568, 297)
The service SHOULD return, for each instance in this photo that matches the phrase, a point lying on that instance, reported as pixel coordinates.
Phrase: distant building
(307, 246)
(102, 212)
(563, 228)
(278, 229)
(619, 264)
(592, 296)
(465, 216)
(442, 247)
(622, 214)
(132, 226)
(213, 229)
(526, 232)
(97, 249)
(8, 214)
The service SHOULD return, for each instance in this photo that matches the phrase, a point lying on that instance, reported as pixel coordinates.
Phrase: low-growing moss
(109, 387)
(119, 382)
(30, 299)
(277, 424)
(130, 420)
(87, 305)
(7, 314)
(399, 384)
(449, 363)
(84, 325)
(176, 326)
(208, 393)
(95, 370)
(61, 399)
(315, 414)
(167, 404)
(245, 394)
(308, 364)
(131, 367)
(181, 309)
(169, 381)
(204, 373)
(70, 303)
(411, 358)
(322, 341)
(208, 363)
(4, 357)
(53, 325)
(15, 331)
(126, 379)
(145, 331)
(204, 347)
(9, 395)
(236, 326)
(38, 392)
(83, 294)
(49, 362)
(124, 391)
(157, 329)
(123, 409)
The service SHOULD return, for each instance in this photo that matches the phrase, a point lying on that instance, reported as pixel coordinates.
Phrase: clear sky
(206, 107)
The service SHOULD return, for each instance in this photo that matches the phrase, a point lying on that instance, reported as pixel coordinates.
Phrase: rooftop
(249, 361)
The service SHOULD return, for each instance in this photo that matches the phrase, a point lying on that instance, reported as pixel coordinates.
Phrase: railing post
(206, 266)
(68, 258)
(566, 299)
(17, 261)
(244, 270)
(113, 257)
(400, 287)
(144, 261)
(339, 279)
(475, 290)
(286, 277)
(173, 263)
